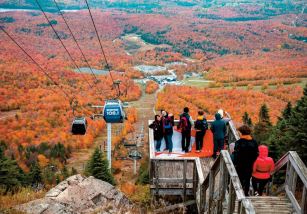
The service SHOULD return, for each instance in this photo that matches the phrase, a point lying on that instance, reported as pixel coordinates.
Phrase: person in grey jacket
(218, 128)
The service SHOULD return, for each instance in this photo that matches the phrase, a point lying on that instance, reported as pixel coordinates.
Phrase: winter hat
(221, 112)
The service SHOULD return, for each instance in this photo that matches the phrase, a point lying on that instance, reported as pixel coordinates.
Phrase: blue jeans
(169, 142)
(158, 144)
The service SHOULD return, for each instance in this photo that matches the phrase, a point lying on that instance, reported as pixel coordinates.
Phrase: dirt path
(144, 107)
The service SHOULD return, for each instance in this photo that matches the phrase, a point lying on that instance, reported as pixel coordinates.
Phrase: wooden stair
(267, 205)
(271, 205)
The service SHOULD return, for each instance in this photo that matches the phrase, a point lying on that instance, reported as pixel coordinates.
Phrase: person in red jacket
(262, 169)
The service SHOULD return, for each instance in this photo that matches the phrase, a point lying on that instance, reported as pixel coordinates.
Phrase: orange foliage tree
(151, 87)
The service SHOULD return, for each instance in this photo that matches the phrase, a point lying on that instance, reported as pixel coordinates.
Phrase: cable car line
(103, 53)
(33, 60)
(59, 38)
(74, 38)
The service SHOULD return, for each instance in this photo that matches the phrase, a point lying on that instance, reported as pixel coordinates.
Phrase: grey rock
(78, 194)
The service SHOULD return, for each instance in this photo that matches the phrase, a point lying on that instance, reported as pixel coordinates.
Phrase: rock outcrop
(78, 194)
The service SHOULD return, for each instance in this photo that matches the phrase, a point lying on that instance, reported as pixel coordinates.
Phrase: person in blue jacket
(218, 128)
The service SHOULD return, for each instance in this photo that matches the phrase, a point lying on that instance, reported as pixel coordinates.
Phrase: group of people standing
(163, 129)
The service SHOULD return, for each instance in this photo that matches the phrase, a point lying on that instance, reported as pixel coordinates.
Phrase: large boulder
(78, 194)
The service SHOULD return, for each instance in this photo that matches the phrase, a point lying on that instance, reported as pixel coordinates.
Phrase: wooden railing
(295, 169)
(198, 181)
(222, 183)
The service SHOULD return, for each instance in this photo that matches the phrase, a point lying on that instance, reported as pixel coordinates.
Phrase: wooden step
(271, 205)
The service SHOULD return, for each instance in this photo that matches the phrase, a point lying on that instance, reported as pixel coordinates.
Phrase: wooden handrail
(299, 167)
(224, 165)
(281, 163)
(295, 167)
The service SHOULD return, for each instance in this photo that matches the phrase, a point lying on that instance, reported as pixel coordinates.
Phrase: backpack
(205, 124)
(167, 123)
(183, 123)
(201, 125)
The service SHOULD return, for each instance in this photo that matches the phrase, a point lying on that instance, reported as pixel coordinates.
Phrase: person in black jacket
(185, 125)
(201, 126)
(244, 155)
(158, 131)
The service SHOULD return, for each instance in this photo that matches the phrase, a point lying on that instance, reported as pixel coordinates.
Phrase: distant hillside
(271, 7)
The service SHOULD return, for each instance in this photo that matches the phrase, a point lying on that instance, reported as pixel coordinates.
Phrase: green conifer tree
(9, 173)
(98, 167)
(247, 120)
(73, 171)
(296, 133)
(65, 172)
(263, 127)
(35, 174)
(286, 114)
(264, 115)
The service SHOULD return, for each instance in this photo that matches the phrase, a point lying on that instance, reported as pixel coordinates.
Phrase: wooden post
(202, 197)
(157, 179)
(211, 191)
(184, 180)
(304, 200)
(231, 199)
(290, 181)
(194, 179)
(294, 181)
(239, 207)
(287, 181)
(222, 187)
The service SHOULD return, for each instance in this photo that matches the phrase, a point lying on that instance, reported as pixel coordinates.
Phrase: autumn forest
(234, 57)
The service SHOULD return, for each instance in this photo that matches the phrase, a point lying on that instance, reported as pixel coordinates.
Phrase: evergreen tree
(264, 115)
(296, 134)
(278, 138)
(286, 114)
(65, 172)
(9, 173)
(73, 171)
(290, 132)
(98, 167)
(57, 179)
(247, 120)
(35, 174)
(59, 151)
(263, 127)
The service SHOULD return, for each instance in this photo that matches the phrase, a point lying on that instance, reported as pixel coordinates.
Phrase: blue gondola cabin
(113, 111)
